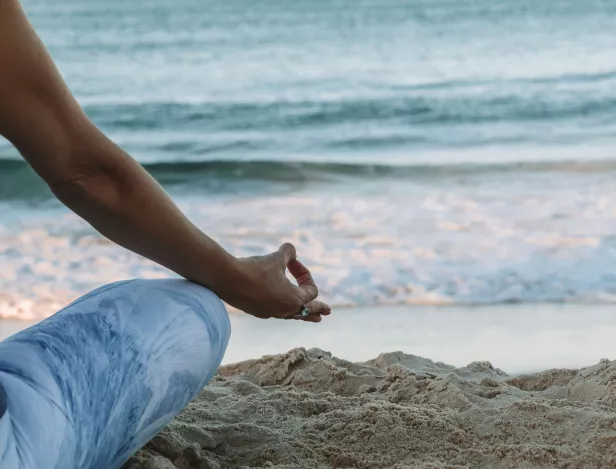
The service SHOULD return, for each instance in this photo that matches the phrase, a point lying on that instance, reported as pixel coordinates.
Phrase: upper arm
(38, 114)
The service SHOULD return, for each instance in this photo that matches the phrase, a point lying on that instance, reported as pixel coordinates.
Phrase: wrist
(220, 271)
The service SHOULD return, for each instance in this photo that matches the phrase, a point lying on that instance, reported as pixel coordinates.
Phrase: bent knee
(153, 303)
(168, 298)
(180, 291)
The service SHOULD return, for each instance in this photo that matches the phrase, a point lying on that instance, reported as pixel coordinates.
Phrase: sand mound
(307, 409)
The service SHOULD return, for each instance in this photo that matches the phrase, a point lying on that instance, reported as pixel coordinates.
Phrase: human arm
(104, 185)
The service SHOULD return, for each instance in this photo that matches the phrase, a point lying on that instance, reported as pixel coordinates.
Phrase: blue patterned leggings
(86, 388)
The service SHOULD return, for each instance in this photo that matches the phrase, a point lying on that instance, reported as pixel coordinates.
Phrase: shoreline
(519, 338)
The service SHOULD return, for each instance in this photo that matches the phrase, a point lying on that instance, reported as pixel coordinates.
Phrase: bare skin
(109, 189)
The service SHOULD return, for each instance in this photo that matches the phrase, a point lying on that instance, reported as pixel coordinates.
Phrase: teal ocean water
(416, 151)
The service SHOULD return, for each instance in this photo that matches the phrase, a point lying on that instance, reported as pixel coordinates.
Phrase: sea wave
(575, 108)
(18, 181)
(466, 102)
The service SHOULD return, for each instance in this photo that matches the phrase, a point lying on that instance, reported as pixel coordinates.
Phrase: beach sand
(308, 409)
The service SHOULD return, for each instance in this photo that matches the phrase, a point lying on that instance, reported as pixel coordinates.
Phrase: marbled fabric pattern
(89, 386)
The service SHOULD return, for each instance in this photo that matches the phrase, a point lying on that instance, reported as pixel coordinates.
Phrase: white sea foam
(519, 237)
(195, 89)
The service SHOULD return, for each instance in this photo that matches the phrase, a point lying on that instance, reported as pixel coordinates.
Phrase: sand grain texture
(307, 409)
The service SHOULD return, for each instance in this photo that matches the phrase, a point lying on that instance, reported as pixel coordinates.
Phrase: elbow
(97, 184)
(99, 177)
(96, 173)
(87, 191)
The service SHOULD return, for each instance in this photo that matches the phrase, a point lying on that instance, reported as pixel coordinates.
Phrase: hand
(260, 287)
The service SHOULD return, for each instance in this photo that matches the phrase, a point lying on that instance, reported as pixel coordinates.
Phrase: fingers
(311, 318)
(307, 286)
(316, 309)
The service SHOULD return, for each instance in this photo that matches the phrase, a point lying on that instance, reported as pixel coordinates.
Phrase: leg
(86, 388)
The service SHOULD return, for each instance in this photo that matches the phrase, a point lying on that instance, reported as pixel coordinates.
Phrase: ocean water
(415, 151)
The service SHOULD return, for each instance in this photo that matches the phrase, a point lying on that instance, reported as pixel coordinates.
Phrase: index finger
(305, 282)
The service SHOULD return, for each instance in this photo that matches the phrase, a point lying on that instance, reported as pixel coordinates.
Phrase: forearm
(122, 201)
(105, 186)
(88, 172)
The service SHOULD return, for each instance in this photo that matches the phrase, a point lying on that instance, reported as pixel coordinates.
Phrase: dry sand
(307, 409)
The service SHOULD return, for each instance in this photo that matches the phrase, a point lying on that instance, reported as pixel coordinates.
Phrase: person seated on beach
(86, 388)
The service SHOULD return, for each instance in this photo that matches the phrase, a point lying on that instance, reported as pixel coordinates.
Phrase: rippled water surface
(414, 151)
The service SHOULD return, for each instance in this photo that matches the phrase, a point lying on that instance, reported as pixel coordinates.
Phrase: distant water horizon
(416, 152)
